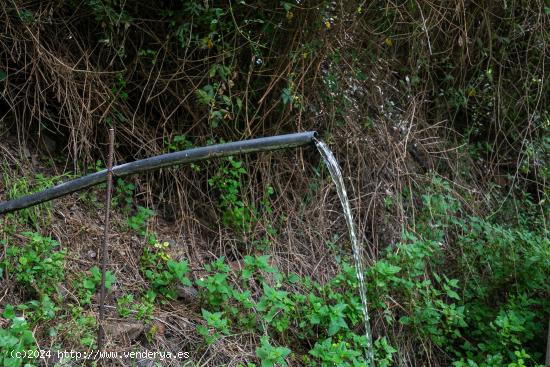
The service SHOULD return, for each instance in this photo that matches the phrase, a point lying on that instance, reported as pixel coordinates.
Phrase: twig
(104, 254)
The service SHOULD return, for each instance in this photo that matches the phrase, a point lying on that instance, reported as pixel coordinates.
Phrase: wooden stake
(104, 253)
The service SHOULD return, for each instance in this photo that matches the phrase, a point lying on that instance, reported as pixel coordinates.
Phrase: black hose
(160, 161)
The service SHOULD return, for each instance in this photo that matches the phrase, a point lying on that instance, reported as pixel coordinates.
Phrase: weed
(471, 320)
(384, 352)
(80, 328)
(334, 353)
(275, 310)
(123, 198)
(140, 309)
(40, 311)
(216, 287)
(16, 340)
(37, 263)
(277, 307)
(87, 285)
(218, 322)
(235, 213)
(123, 305)
(138, 222)
(163, 273)
(271, 356)
(145, 308)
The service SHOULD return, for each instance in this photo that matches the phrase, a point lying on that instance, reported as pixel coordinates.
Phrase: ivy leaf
(286, 96)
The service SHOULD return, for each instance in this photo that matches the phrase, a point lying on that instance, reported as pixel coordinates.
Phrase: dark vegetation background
(436, 110)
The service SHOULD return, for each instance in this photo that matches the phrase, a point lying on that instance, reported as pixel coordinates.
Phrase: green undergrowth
(476, 288)
(465, 285)
(473, 287)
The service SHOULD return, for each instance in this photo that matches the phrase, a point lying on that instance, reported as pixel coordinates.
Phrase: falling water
(336, 175)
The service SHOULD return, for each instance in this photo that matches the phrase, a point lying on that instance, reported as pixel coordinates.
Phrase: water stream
(336, 175)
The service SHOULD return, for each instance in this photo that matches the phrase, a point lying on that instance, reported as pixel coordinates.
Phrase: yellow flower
(162, 245)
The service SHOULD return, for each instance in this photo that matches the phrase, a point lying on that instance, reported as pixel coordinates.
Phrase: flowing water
(336, 175)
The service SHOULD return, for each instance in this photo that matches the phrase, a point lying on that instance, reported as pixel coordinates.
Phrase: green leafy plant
(16, 340)
(277, 307)
(163, 273)
(330, 353)
(38, 263)
(235, 213)
(138, 222)
(217, 322)
(472, 320)
(40, 310)
(123, 305)
(87, 285)
(123, 198)
(384, 352)
(314, 311)
(145, 308)
(80, 327)
(271, 356)
(217, 289)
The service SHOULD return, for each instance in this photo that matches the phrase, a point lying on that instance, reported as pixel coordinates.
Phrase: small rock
(187, 294)
(124, 330)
